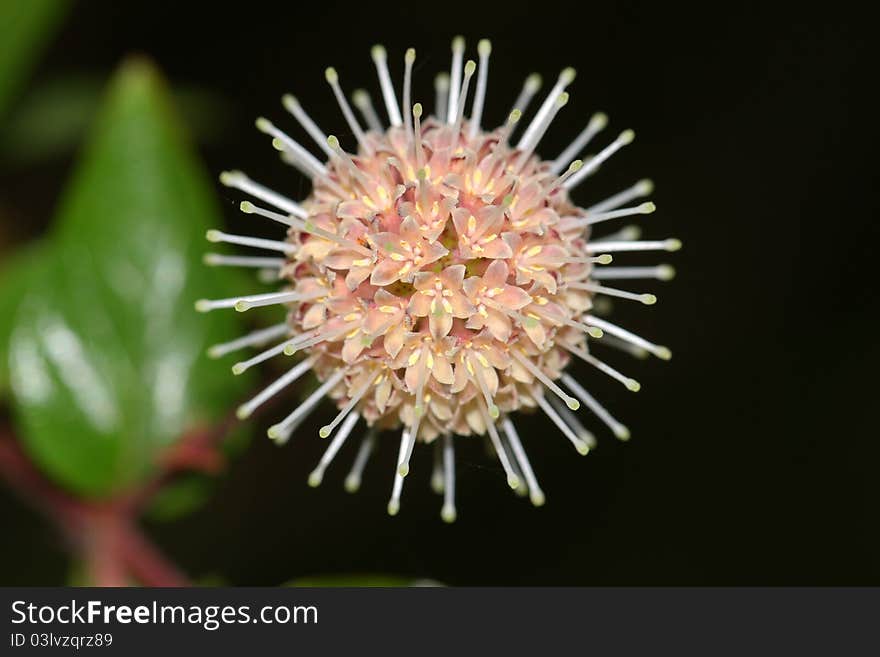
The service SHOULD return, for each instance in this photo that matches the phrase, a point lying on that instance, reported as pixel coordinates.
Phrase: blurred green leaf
(362, 580)
(25, 27)
(180, 498)
(16, 273)
(106, 356)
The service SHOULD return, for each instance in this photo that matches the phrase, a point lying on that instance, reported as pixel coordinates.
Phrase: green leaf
(106, 357)
(15, 276)
(25, 27)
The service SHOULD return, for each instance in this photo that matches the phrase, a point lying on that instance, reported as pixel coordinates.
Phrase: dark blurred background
(754, 451)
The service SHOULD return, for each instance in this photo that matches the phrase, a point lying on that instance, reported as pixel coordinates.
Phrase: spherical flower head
(439, 277)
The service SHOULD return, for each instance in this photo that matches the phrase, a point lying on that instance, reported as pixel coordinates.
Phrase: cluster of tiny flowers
(439, 278)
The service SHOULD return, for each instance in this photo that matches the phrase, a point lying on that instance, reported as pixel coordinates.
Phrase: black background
(754, 451)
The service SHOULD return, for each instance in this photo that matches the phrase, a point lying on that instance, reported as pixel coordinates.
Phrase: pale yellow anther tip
(403, 469)
(458, 43)
(568, 75)
(533, 83)
(515, 116)
(513, 481)
(448, 514)
(378, 52)
(647, 208)
(626, 137)
(230, 178)
(572, 403)
(441, 82)
(263, 124)
(583, 449)
(633, 385)
(352, 484)
(203, 305)
(673, 244)
(595, 332)
(274, 432)
(360, 97)
(470, 67)
(484, 47)
(622, 433)
(664, 353)
(242, 413)
(333, 142)
(562, 101)
(289, 350)
(599, 120)
(238, 368)
(242, 306)
(605, 259)
(417, 110)
(648, 299)
(393, 508)
(331, 75)
(537, 498)
(410, 55)
(213, 236)
(289, 101)
(494, 412)
(324, 431)
(645, 186)
(246, 206)
(665, 272)
(315, 478)
(575, 166)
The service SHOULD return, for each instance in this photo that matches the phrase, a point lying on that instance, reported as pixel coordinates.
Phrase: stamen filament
(326, 430)
(590, 402)
(353, 480)
(671, 244)
(658, 350)
(659, 272)
(246, 410)
(255, 242)
(582, 447)
(275, 431)
(455, 78)
(380, 59)
(397, 487)
(597, 123)
(592, 164)
(641, 189)
(566, 77)
(647, 299)
(484, 49)
(448, 511)
(219, 260)
(254, 339)
(408, 60)
(512, 479)
(441, 96)
(317, 474)
(333, 80)
(238, 180)
(536, 495)
(364, 103)
(307, 163)
(526, 362)
(291, 104)
(631, 384)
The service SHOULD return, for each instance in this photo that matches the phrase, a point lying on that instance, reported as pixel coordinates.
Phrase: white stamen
(408, 60)
(249, 208)
(658, 350)
(241, 304)
(437, 471)
(595, 218)
(455, 78)
(523, 489)
(647, 299)
(364, 103)
(671, 244)
(572, 421)
(380, 58)
(332, 449)
(626, 234)
(626, 347)
(536, 495)
(582, 447)
(246, 410)
(353, 480)
(441, 98)
(307, 163)
(326, 430)
(538, 131)
(530, 87)
(484, 48)
(243, 366)
(512, 479)
(306, 340)
(219, 260)
(565, 79)
(469, 69)
(660, 273)
(448, 511)
(639, 190)
(595, 126)
(483, 386)
(244, 240)
(238, 180)
(631, 384)
(254, 339)
(526, 362)
(619, 430)
(397, 487)
(275, 431)
(592, 164)
(333, 80)
(291, 104)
